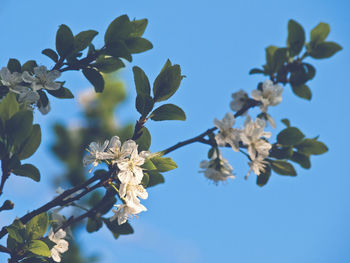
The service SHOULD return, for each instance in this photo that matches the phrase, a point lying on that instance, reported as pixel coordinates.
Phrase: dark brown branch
(5, 173)
(200, 138)
(62, 199)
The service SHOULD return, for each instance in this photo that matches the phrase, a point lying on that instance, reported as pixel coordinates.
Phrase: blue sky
(302, 219)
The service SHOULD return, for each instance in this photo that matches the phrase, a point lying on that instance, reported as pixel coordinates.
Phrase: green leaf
(155, 178)
(14, 233)
(168, 112)
(138, 27)
(302, 159)
(64, 41)
(107, 205)
(61, 93)
(296, 38)
(84, 39)
(319, 33)
(166, 65)
(283, 167)
(51, 54)
(325, 50)
(167, 83)
(119, 29)
(29, 66)
(19, 127)
(39, 248)
(302, 91)
(44, 100)
(144, 104)
(144, 141)
(148, 165)
(263, 177)
(123, 229)
(31, 144)
(95, 78)
(108, 64)
(286, 122)
(145, 180)
(141, 81)
(279, 57)
(14, 65)
(269, 52)
(119, 50)
(93, 224)
(310, 71)
(256, 71)
(14, 162)
(37, 226)
(138, 45)
(281, 153)
(311, 146)
(163, 164)
(8, 106)
(28, 170)
(290, 136)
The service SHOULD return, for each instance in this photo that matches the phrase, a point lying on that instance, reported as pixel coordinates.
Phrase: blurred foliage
(98, 123)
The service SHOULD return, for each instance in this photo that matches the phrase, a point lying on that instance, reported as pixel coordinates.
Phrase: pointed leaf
(319, 33)
(83, 39)
(95, 78)
(64, 41)
(28, 170)
(51, 54)
(290, 136)
(296, 37)
(302, 91)
(31, 144)
(39, 248)
(283, 168)
(168, 112)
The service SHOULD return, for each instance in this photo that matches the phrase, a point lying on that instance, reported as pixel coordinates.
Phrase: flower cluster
(127, 160)
(61, 244)
(252, 136)
(27, 85)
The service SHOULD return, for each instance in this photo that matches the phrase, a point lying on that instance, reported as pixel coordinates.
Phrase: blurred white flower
(12, 81)
(61, 244)
(217, 169)
(239, 100)
(227, 134)
(124, 212)
(271, 95)
(42, 79)
(257, 165)
(252, 136)
(96, 154)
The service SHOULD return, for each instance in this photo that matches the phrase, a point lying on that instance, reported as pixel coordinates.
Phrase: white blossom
(43, 78)
(61, 244)
(227, 134)
(12, 81)
(217, 169)
(28, 97)
(96, 154)
(252, 136)
(118, 151)
(271, 95)
(257, 165)
(239, 100)
(124, 212)
(130, 170)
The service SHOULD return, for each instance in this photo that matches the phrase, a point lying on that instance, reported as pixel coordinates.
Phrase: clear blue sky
(303, 219)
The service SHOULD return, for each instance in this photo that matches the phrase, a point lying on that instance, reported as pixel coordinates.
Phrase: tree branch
(200, 138)
(63, 199)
